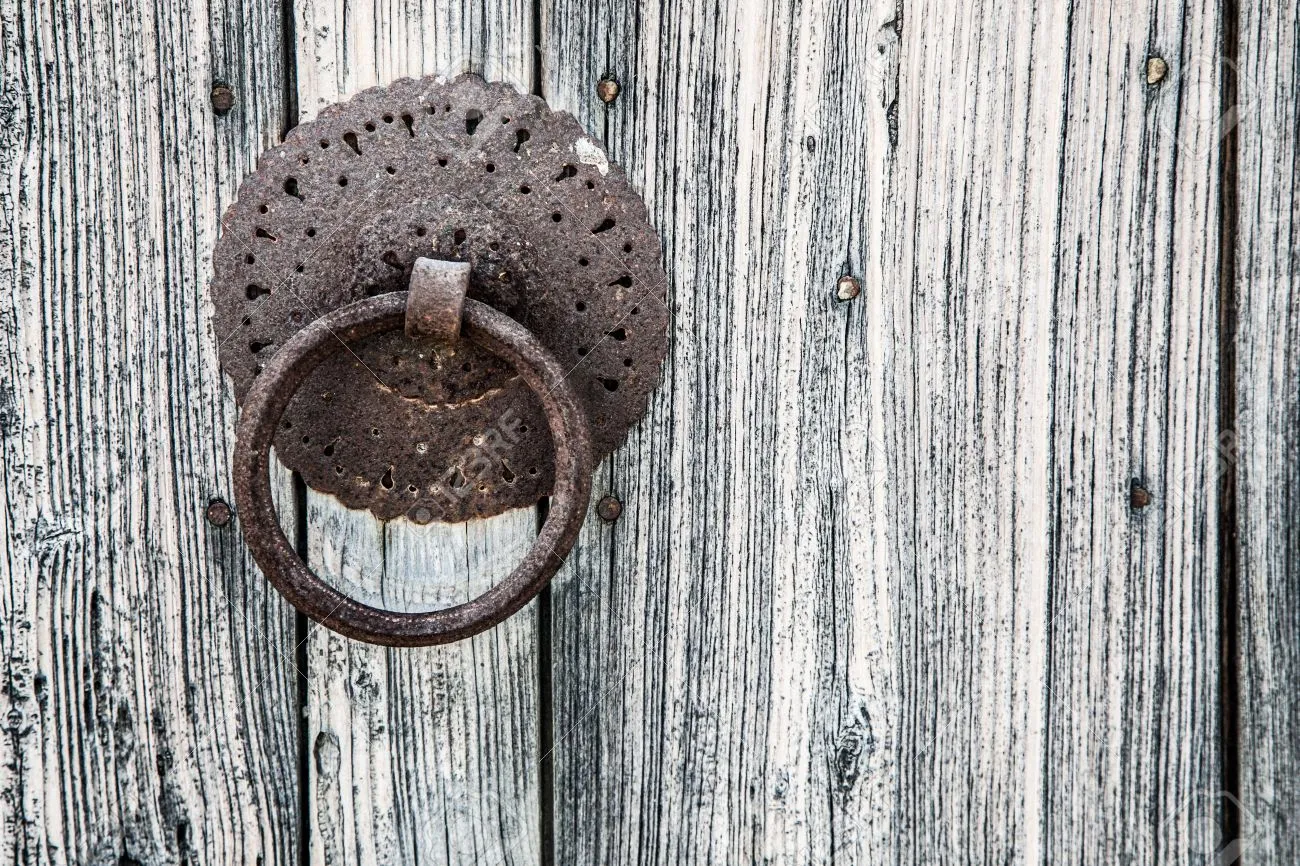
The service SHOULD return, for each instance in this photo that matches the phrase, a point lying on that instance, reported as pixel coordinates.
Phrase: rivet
(1156, 70)
(218, 512)
(223, 98)
(609, 508)
(607, 89)
(1139, 497)
(847, 287)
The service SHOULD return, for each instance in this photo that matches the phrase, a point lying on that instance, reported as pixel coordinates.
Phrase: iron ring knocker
(270, 395)
(382, 215)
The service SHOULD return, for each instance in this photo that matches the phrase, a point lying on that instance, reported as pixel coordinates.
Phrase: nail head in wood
(847, 287)
(218, 513)
(437, 299)
(1139, 496)
(607, 89)
(609, 508)
(1157, 69)
(223, 98)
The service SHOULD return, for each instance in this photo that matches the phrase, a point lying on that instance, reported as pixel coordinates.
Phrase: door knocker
(438, 301)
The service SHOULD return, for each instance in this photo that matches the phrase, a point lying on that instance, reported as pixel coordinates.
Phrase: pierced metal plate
(460, 170)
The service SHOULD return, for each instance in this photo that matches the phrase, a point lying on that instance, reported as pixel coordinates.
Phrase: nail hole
(411, 488)
(619, 334)
(627, 362)
(409, 122)
(583, 261)
(556, 217)
(604, 226)
(506, 475)
(390, 169)
(523, 428)
(328, 450)
(249, 259)
(421, 231)
(350, 139)
(370, 127)
(521, 136)
(263, 209)
(466, 367)
(311, 233)
(306, 440)
(490, 168)
(387, 480)
(459, 236)
(610, 384)
(525, 189)
(442, 161)
(532, 470)
(374, 431)
(253, 292)
(580, 307)
(263, 233)
(566, 172)
(636, 310)
(256, 346)
(625, 281)
(494, 246)
(388, 118)
(627, 248)
(343, 181)
(582, 351)
(324, 143)
(591, 185)
(338, 470)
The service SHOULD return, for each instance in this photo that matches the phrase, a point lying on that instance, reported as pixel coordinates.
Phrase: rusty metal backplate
(465, 171)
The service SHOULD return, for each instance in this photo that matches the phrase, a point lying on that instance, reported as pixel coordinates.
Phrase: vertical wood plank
(877, 591)
(418, 755)
(1267, 434)
(149, 689)
(726, 687)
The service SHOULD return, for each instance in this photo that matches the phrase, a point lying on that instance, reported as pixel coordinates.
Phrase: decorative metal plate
(464, 171)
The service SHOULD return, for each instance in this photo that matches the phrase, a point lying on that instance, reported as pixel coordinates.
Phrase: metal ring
(260, 417)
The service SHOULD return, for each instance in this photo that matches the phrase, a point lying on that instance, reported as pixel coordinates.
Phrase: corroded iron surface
(274, 389)
(463, 171)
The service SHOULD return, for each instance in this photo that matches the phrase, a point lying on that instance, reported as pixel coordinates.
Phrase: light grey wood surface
(1263, 456)
(149, 691)
(878, 594)
(418, 755)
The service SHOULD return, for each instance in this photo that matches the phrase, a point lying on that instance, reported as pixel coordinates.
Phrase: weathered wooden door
(996, 561)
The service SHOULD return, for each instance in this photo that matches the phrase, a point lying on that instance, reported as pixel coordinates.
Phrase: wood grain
(725, 683)
(1265, 452)
(427, 755)
(149, 684)
(877, 593)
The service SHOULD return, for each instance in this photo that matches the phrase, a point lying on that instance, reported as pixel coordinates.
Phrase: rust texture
(460, 171)
(437, 297)
(609, 508)
(266, 402)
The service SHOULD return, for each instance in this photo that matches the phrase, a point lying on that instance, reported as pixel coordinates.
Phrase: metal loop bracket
(264, 406)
